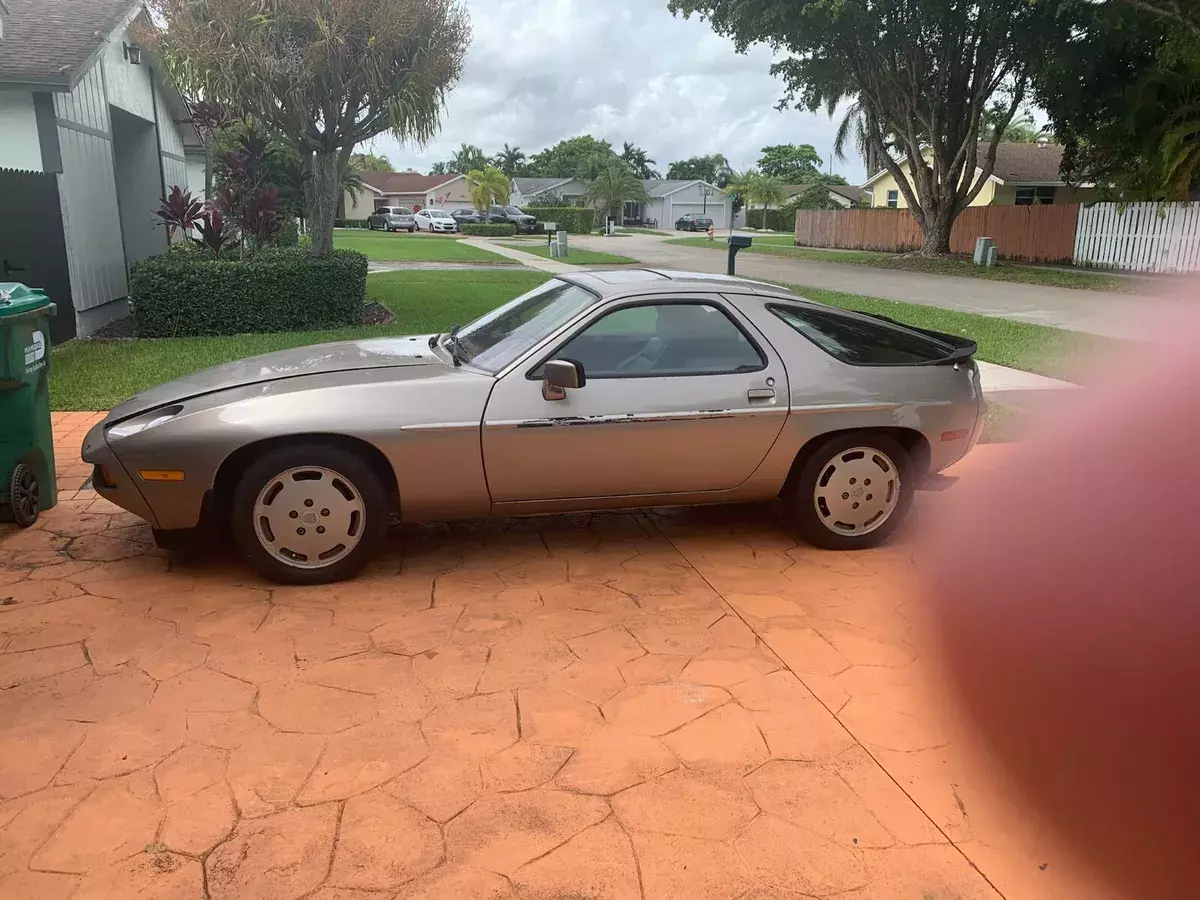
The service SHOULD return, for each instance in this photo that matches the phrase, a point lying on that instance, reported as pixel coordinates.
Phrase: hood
(315, 359)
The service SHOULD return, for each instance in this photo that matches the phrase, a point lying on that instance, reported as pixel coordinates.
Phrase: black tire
(800, 495)
(412, 228)
(351, 468)
(24, 495)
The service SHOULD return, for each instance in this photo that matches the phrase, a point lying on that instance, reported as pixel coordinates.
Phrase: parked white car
(432, 220)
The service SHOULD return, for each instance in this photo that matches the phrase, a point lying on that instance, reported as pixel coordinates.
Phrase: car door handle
(760, 394)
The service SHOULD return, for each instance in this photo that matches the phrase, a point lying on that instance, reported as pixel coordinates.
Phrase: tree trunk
(208, 169)
(322, 196)
(935, 231)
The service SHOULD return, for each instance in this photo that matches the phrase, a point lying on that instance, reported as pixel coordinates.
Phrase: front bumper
(447, 229)
(110, 478)
(526, 227)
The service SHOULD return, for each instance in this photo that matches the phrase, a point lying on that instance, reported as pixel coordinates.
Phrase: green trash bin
(27, 483)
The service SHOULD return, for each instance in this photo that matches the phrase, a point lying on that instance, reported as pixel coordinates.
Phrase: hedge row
(572, 219)
(481, 230)
(188, 294)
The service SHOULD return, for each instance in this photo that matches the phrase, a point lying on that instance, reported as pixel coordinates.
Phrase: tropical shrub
(572, 219)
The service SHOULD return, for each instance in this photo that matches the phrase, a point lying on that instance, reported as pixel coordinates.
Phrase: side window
(661, 340)
(861, 342)
(893, 199)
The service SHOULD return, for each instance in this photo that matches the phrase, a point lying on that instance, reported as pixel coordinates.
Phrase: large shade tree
(791, 162)
(582, 157)
(922, 71)
(324, 74)
(1124, 99)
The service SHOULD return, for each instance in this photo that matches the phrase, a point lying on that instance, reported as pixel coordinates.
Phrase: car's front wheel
(310, 513)
(852, 492)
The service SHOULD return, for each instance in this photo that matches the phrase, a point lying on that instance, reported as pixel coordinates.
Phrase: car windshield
(401, 211)
(513, 211)
(437, 214)
(494, 340)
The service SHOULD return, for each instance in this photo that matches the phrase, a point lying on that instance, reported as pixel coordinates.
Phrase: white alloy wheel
(857, 491)
(309, 517)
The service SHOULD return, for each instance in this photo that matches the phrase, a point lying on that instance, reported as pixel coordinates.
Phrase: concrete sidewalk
(527, 259)
(1127, 316)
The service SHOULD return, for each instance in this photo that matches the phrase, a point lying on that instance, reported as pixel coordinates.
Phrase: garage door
(715, 211)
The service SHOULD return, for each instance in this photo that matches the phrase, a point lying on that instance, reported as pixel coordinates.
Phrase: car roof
(610, 283)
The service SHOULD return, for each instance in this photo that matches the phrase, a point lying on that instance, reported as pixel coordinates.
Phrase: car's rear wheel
(852, 492)
(310, 514)
(412, 228)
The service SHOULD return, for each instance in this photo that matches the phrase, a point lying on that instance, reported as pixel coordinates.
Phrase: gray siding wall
(88, 192)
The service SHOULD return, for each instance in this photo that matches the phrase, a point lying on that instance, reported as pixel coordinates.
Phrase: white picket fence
(1142, 237)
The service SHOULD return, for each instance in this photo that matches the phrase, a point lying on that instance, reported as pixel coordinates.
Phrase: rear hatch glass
(863, 339)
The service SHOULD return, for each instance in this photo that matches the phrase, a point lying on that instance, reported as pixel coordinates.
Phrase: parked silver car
(597, 390)
(392, 218)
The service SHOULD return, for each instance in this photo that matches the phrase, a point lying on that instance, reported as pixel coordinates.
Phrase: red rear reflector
(958, 434)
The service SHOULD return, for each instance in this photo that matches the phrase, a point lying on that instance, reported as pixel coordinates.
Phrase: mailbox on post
(736, 243)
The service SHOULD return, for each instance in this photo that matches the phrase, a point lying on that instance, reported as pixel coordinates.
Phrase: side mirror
(560, 374)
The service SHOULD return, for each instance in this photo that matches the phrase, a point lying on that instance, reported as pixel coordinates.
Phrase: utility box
(27, 482)
(981, 250)
(561, 239)
(992, 255)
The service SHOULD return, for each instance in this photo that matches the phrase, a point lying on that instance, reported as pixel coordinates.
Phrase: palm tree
(510, 160)
(614, 186)
(639, 161)
(467, 158)
(755, 187)
(488, 186)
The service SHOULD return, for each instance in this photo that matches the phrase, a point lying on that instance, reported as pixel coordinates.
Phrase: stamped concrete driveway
(687, 705)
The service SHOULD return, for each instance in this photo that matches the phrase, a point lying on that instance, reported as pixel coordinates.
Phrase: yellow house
(1024, 174)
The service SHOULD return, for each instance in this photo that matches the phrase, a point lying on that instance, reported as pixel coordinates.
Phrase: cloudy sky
(539, 71)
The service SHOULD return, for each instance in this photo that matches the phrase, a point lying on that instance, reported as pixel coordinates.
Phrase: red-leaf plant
(179, 211)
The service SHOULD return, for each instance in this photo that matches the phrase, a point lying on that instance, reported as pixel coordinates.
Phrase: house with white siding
(93, 136)
(670, 200)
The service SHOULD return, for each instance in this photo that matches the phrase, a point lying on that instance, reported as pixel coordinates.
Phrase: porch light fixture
(133, 53)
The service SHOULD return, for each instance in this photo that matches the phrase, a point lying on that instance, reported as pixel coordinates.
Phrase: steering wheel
(645, 359)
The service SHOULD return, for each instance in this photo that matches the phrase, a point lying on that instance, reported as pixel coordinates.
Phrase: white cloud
(540, 71)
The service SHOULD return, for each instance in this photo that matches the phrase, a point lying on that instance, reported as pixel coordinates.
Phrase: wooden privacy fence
(1141, 237)
(1043, 233)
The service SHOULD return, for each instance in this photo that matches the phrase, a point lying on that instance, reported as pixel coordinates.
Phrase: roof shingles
(49, 40)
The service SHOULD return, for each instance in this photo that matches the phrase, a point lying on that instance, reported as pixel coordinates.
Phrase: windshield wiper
(454, 345)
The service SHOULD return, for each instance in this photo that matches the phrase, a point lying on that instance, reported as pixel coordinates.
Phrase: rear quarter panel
(826, 395)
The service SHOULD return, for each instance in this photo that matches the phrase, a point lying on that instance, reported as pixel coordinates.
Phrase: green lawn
(627, 230)
(95, 375)
(575, 256)
(404, 247)
(88, 375)
(1035, 348)
(783, 245)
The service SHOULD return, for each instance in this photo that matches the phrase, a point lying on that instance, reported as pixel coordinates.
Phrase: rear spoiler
(961, 348)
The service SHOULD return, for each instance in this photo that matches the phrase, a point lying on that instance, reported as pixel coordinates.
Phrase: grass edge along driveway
(96, 375)
(1050, 277)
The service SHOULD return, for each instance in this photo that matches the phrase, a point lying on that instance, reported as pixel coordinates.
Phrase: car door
(682, 395)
